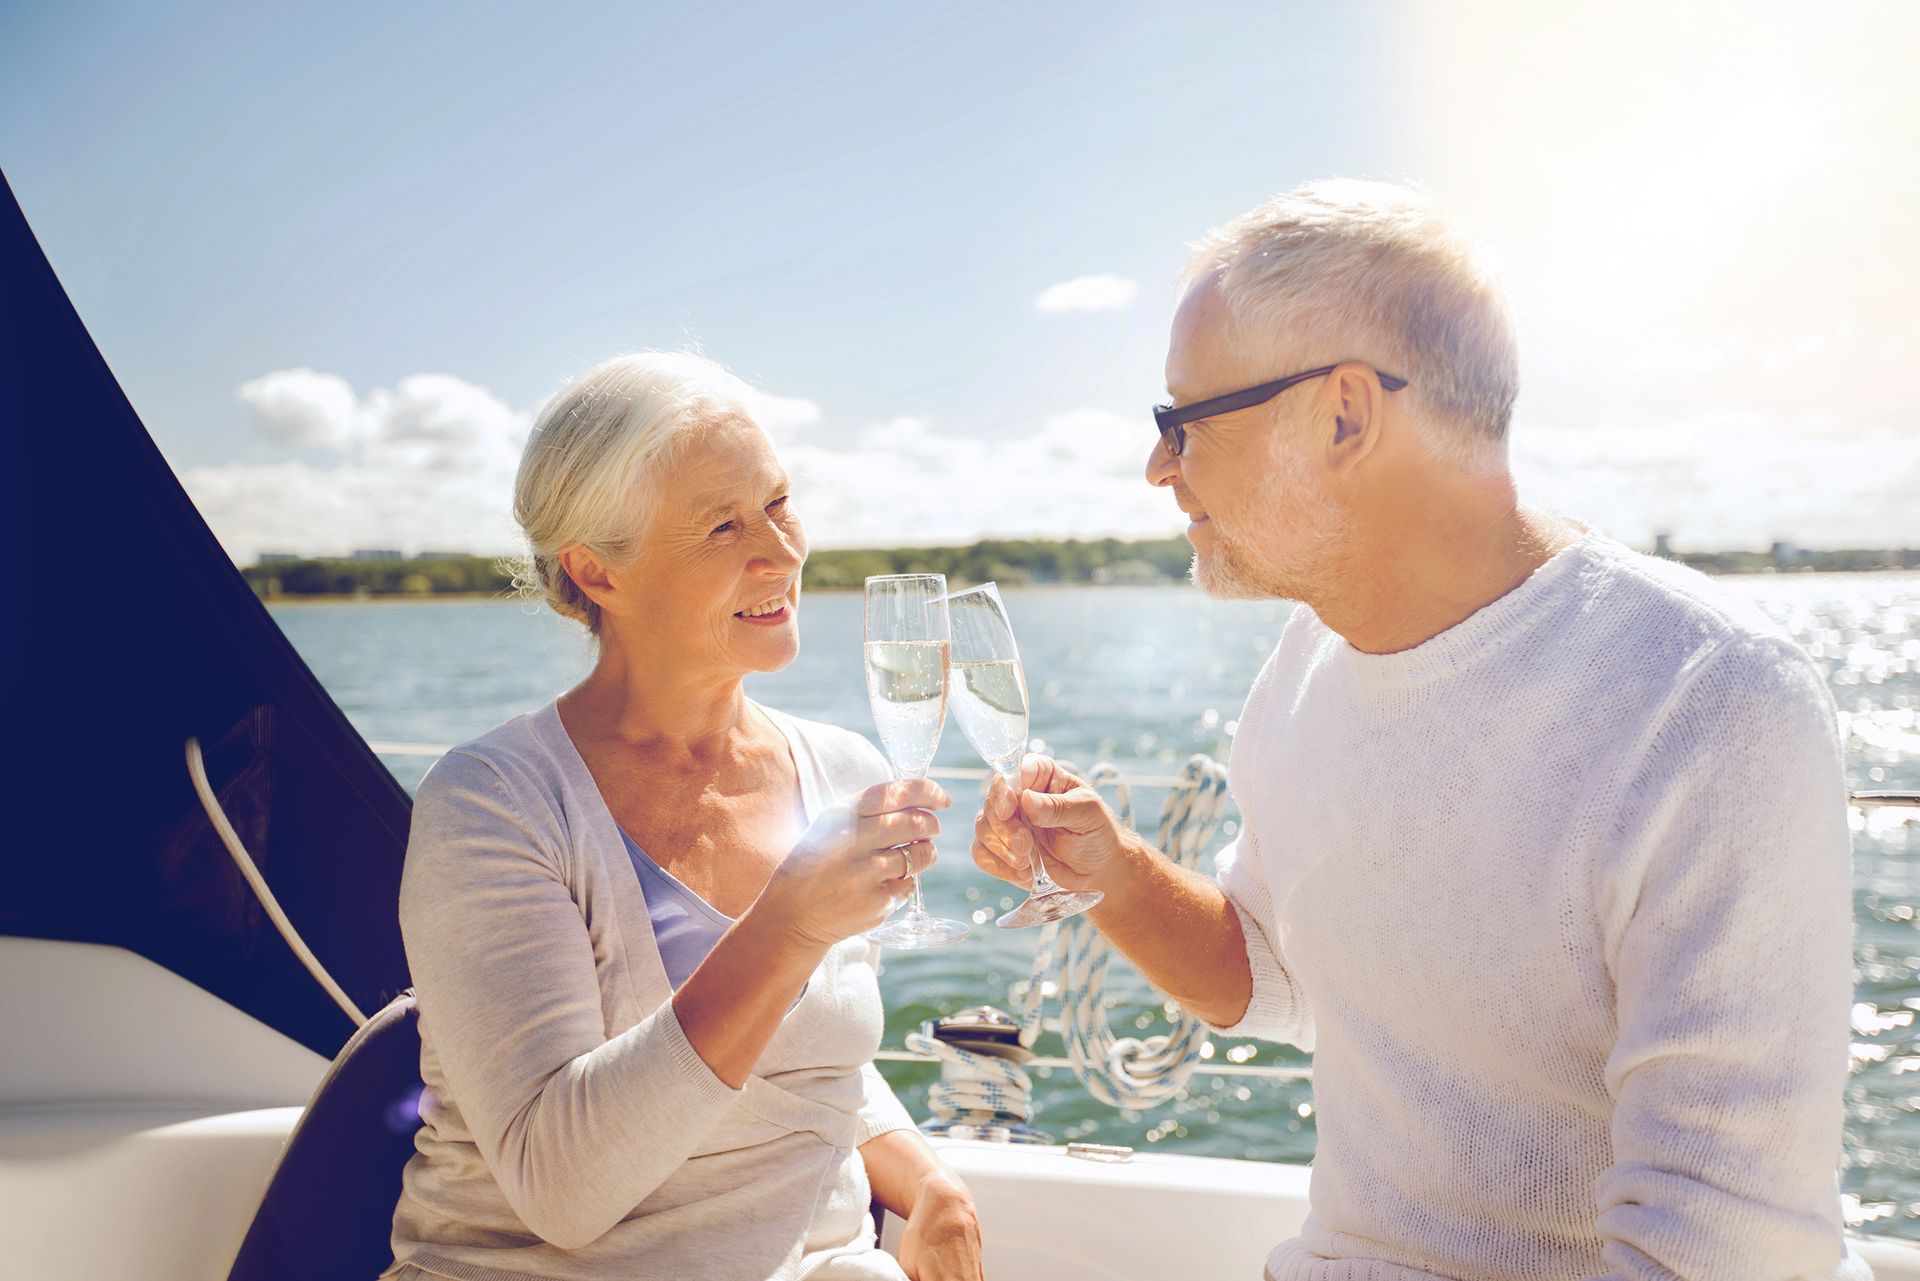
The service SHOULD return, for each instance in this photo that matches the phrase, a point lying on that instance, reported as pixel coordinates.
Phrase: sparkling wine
(990, 702)
(907, 686)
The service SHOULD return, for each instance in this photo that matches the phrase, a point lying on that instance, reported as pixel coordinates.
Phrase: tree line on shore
(1010, 561)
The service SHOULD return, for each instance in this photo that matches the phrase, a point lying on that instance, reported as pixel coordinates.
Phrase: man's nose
(1163, 468)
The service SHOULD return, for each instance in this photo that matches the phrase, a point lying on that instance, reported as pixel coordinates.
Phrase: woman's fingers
(895, 869)
(901, 794)
(884, 831)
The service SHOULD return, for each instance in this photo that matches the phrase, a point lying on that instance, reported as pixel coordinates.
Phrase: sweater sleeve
(576, 1128)
(1278, 1009)
(1724, 893)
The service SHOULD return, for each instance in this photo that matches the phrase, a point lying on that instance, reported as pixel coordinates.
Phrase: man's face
(1264, 523)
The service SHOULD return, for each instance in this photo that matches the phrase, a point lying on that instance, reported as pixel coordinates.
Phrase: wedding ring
(906, 862)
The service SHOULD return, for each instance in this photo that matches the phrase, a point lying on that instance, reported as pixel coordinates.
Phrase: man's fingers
(1044, 774)
(1072, 811)
(997, 841)
(1002, 798)
(999, 865)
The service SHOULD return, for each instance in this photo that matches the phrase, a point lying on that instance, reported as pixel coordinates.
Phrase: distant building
(376, 553)
(444, 556)
(277, 558)
(1785, 554)
(1663, 544)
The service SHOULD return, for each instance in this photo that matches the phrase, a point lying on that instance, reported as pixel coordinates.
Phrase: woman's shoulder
(845, 759)
(515, 762)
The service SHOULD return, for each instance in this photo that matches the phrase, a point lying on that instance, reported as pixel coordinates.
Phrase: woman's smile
(770, 612)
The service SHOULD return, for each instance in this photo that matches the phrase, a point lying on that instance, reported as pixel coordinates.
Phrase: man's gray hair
(1346, 270)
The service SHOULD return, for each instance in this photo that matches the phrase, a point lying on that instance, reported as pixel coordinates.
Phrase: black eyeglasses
(1173, 422)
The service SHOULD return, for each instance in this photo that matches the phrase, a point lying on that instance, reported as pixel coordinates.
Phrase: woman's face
(717, 582)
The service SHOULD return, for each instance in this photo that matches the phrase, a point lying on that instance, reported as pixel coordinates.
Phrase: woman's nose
(782, 551)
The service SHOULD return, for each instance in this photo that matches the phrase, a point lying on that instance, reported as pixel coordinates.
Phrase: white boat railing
(976, 774)
(1269, 1071)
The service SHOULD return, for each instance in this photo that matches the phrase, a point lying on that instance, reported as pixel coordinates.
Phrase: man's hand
(1056, 813)
(1202, 964)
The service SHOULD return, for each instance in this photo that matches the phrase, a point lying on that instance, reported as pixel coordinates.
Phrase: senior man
(1544, 849)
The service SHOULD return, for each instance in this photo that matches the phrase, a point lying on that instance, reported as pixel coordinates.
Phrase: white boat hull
(140, 1119)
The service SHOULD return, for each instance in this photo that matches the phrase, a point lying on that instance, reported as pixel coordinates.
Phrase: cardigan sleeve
(575, 1127)
(852, 764)
(880, 1112)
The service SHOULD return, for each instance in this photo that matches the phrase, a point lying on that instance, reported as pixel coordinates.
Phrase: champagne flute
(907, 658)
(990, 701)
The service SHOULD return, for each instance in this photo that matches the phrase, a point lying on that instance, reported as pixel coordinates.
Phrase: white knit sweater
(1560, 900)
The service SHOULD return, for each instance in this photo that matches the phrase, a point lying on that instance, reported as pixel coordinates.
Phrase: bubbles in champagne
(907, 686)
(990, 702)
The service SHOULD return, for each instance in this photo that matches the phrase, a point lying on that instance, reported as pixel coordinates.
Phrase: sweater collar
(1483, 632)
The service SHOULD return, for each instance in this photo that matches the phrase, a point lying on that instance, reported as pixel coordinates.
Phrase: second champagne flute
(907, 658)
(990, 701)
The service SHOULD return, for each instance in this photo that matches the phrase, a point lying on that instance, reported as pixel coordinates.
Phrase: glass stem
(1042, 883)
(916, 908)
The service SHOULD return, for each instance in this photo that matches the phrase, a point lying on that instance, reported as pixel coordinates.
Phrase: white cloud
(1087, 293)
(1076, 474)
(428, 463)
(783, 416)
(303, 407)
(1728, 478)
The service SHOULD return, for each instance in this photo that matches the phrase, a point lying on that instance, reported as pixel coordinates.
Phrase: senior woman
(635, 915)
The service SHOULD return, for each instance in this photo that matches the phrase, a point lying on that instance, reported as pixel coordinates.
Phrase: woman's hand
(942, 1238)
(850, 867)
(1053, 810)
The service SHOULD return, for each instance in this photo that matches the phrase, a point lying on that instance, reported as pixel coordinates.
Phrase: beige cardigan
(571, 1132)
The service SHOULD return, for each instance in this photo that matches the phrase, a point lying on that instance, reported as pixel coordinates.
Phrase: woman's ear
(589, 574)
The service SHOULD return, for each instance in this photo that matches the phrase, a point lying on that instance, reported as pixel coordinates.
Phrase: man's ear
(1357, 405)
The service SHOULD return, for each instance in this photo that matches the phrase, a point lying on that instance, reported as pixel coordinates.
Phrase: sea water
(1144, 677)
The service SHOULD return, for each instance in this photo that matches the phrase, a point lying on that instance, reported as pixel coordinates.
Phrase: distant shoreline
(429, 598)
(1011, 562)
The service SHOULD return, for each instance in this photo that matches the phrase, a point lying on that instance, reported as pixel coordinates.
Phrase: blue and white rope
(1126, 1071)
(974, 1089)
(1120, 1071)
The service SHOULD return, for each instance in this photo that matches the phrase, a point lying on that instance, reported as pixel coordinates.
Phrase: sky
(338, 258)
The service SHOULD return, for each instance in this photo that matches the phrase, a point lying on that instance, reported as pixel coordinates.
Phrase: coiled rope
(1120, 1071)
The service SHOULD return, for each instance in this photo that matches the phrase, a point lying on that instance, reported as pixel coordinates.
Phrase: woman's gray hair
(592, 468)
(1345, 270)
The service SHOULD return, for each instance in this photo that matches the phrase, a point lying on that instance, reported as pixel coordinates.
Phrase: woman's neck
(675, 711)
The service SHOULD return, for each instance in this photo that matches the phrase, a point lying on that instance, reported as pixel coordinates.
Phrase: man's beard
(1287, 550)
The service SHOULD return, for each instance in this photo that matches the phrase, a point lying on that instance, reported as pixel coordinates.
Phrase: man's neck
(1435, 565)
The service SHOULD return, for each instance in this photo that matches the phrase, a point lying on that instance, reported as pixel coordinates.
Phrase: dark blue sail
(129, 631)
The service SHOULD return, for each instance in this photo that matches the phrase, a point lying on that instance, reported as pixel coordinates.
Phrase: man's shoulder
(1664, 618)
